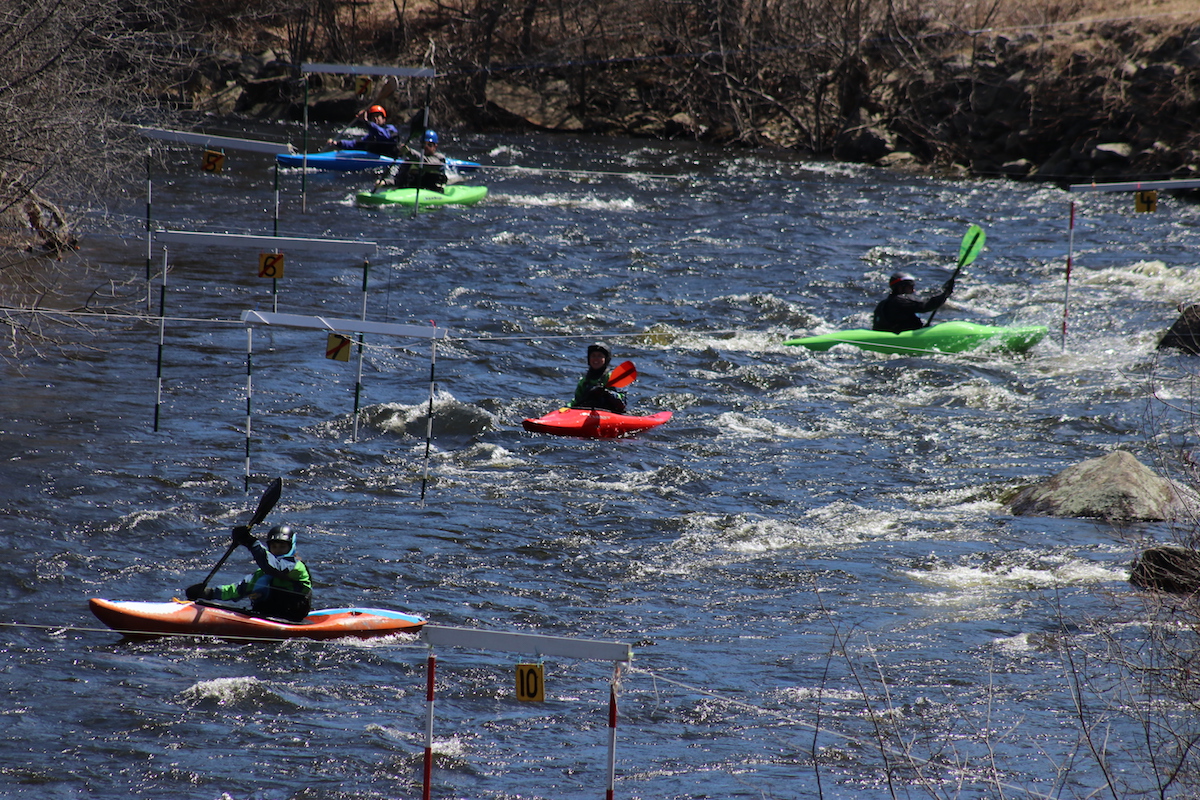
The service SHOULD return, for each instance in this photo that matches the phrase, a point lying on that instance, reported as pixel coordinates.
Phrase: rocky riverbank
(1099, 101)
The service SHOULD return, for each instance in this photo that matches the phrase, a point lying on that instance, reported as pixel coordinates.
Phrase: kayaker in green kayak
(898, 311)
(594, 389)
(423, 169)
(280, 587)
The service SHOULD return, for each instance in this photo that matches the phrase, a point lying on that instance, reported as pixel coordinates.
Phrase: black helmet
(600, 348)
(900, 277)
(281, 533)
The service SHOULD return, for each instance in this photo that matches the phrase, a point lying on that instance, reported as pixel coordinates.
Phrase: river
(810, 558)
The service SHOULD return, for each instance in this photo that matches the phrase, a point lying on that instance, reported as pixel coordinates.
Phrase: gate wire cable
(458, 338)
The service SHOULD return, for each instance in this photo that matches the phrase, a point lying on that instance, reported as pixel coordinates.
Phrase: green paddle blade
(972, 243)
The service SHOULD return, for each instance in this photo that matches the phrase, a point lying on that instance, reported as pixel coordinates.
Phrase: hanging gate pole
(162, 334)
(249, 395)
(1067, 286)
(362, 341)
(429, 414)
(612, 731)
(430, 669)
(149, 234)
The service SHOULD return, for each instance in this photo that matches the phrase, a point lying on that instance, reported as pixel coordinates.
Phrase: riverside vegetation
(1058, 90)
(1061, 90)
(1029, 90)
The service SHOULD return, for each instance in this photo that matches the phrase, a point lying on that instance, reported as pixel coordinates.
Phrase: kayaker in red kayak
(898, 311)
(593, 389)
(280, 587)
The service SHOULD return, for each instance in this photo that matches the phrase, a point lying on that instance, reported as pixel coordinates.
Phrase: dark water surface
(813, 547)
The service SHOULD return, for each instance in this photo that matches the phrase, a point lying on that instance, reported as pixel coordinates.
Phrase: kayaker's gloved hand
(948, 287)
(241, 535)
(198, 591)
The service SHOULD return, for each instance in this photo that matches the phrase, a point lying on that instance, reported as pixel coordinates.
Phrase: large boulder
(864, 144)
(548, 109)
(1115, 487)
(1184, 334)
(1167, 568)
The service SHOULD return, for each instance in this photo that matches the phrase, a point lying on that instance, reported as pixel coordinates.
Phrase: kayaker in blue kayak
(593, 389)
(280, 587)
(898, 311)
(423, 169)
(381, 138)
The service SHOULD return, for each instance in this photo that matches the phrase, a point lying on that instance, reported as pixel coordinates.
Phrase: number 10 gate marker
(530, 644)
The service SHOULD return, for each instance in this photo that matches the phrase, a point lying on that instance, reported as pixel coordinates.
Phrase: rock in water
(1115, 487)
(1184, 333)
(1167, 568)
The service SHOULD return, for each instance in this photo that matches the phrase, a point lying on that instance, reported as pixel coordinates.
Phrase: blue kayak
(357, 161)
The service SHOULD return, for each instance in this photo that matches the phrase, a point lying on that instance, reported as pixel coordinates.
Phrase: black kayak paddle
(269, 499)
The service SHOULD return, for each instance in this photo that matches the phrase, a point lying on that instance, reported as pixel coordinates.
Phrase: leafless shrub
(1135, 701)
(74, 75)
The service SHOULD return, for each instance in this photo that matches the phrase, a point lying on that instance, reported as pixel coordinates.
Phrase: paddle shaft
(268, 501)
(228, 553)
(971, 245)
(421, 161)
(403, 152)
(389, 88)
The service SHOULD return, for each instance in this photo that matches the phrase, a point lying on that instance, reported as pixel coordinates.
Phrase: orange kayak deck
(593, 423)
(181, 618)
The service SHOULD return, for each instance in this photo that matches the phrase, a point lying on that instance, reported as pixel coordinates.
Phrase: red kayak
(593, 423)
(199, 618)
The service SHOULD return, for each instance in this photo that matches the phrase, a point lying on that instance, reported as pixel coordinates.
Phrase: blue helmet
(430, 137)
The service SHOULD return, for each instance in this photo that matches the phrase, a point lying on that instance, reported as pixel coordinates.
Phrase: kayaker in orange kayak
(280, 587)
(595, 389)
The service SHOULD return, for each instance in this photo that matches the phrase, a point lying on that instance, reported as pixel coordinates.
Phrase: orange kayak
(179, 617)
(593, 423)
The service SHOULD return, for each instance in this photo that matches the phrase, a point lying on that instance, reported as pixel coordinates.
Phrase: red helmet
(377, 110)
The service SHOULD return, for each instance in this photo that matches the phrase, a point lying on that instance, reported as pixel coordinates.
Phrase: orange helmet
(377, 110)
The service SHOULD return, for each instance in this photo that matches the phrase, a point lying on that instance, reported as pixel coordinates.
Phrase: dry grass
(1176, 10)
(1022, 13)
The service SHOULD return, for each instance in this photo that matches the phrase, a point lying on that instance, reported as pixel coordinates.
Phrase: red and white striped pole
(1067, 287)
(430, 670)
(612, 732)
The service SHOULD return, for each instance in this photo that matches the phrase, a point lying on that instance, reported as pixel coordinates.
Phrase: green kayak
(462, 194)
(945, 337)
